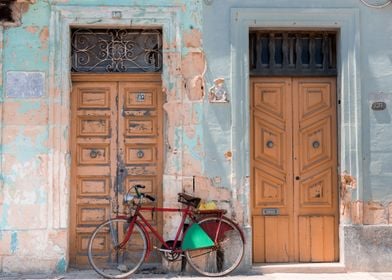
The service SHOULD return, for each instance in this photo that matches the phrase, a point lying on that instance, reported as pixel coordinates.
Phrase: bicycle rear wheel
(227, 253)
(104, 253)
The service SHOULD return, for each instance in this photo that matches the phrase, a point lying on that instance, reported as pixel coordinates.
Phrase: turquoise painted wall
(375, 70)
(25, 193)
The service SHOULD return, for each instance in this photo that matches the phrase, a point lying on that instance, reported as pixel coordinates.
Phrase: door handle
(94, 153)
(270, 144)
(297, 178)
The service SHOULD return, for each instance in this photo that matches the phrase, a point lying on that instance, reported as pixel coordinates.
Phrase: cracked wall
(198, 138)
(29, 165)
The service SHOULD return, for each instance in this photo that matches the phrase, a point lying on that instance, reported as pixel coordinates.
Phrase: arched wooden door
(294, 169)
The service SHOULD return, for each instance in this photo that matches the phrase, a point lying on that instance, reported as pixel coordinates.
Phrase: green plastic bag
(196, 238)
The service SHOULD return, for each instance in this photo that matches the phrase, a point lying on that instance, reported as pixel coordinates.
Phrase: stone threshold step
(299, 268)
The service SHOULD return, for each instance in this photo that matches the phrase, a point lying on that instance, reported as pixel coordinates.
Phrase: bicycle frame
(139, 219)
(144, 224)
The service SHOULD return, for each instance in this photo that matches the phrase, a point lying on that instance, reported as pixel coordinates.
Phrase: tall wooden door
(115, 143)
(294, 170)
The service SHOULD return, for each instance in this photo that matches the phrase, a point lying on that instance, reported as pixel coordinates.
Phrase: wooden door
(116, 139)
(294, 170)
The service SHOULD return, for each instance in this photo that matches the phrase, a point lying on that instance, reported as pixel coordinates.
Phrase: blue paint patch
(4, 216)
(61, 266)
(14, 242)
(41, 196)
(25, 107)
(32, 147)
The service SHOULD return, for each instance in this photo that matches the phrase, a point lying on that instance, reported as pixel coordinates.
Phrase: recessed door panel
(294, 174)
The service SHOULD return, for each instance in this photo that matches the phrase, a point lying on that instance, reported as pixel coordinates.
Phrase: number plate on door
(270, 211)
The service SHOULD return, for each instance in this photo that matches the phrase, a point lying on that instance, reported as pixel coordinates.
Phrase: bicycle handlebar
(149, 197)
(139, 194)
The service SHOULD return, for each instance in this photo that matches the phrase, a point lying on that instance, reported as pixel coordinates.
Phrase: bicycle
(212, 244)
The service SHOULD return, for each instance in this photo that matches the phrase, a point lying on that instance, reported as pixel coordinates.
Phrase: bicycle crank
(169, 254)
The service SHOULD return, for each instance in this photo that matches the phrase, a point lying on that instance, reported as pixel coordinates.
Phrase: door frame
(62, 19)
(349, 126)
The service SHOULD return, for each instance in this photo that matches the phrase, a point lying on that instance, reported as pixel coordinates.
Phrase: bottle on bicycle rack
(212, 244)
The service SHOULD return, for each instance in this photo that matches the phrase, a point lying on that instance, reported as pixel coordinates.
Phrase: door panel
(93, 149)
(277, 239)
(115, 144)
(317, 238)
(315, 163)
(141, 145)
(293, 144)
(271, 171)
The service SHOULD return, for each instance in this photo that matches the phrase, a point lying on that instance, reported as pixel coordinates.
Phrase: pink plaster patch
(32, 29)
(193, 64)
(357, 212)
(192, 38)
(196, 88)
(43, 37)
(374, 213)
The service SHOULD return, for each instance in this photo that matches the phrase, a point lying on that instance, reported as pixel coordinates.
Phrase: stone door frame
(343, 20)
(63, 17)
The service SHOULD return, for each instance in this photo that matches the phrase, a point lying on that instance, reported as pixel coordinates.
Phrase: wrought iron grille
(116, 50)
(278, 53)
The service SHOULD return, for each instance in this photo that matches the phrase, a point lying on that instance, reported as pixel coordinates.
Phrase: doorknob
(270, 144)
(297, 178)
(140, 154)
(94, 153)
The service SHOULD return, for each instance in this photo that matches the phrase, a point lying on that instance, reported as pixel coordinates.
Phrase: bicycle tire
(112, 262)
(223, 258)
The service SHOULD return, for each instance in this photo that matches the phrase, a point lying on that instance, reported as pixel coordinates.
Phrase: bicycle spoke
(195, 256)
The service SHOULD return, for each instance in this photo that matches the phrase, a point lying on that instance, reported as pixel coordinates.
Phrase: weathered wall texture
(28, 239)
(198, 134)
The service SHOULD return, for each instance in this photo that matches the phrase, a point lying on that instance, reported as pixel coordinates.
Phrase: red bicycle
(212, 243)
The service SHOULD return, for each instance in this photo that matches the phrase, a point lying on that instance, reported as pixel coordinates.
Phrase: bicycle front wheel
(111, 260)
(227, 253)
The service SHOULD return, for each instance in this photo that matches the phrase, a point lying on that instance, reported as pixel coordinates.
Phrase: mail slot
(270, 211)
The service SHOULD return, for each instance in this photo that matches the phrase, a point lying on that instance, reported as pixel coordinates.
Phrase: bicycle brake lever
(149, 197)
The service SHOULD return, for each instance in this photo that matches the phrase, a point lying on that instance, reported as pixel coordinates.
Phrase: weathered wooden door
(115, 143)
(294, 169)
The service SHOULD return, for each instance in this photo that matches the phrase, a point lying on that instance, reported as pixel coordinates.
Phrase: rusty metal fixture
(116, 50)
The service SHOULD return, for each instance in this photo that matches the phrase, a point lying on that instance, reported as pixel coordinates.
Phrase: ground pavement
(251, 275)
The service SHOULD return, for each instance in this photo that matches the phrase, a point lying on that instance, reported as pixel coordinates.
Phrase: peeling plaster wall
(26, 235)
(198, 134)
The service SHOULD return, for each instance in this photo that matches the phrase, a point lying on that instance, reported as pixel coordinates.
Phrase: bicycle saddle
(188, 199)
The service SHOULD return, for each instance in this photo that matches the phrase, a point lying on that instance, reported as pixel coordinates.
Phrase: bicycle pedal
(161, 249)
